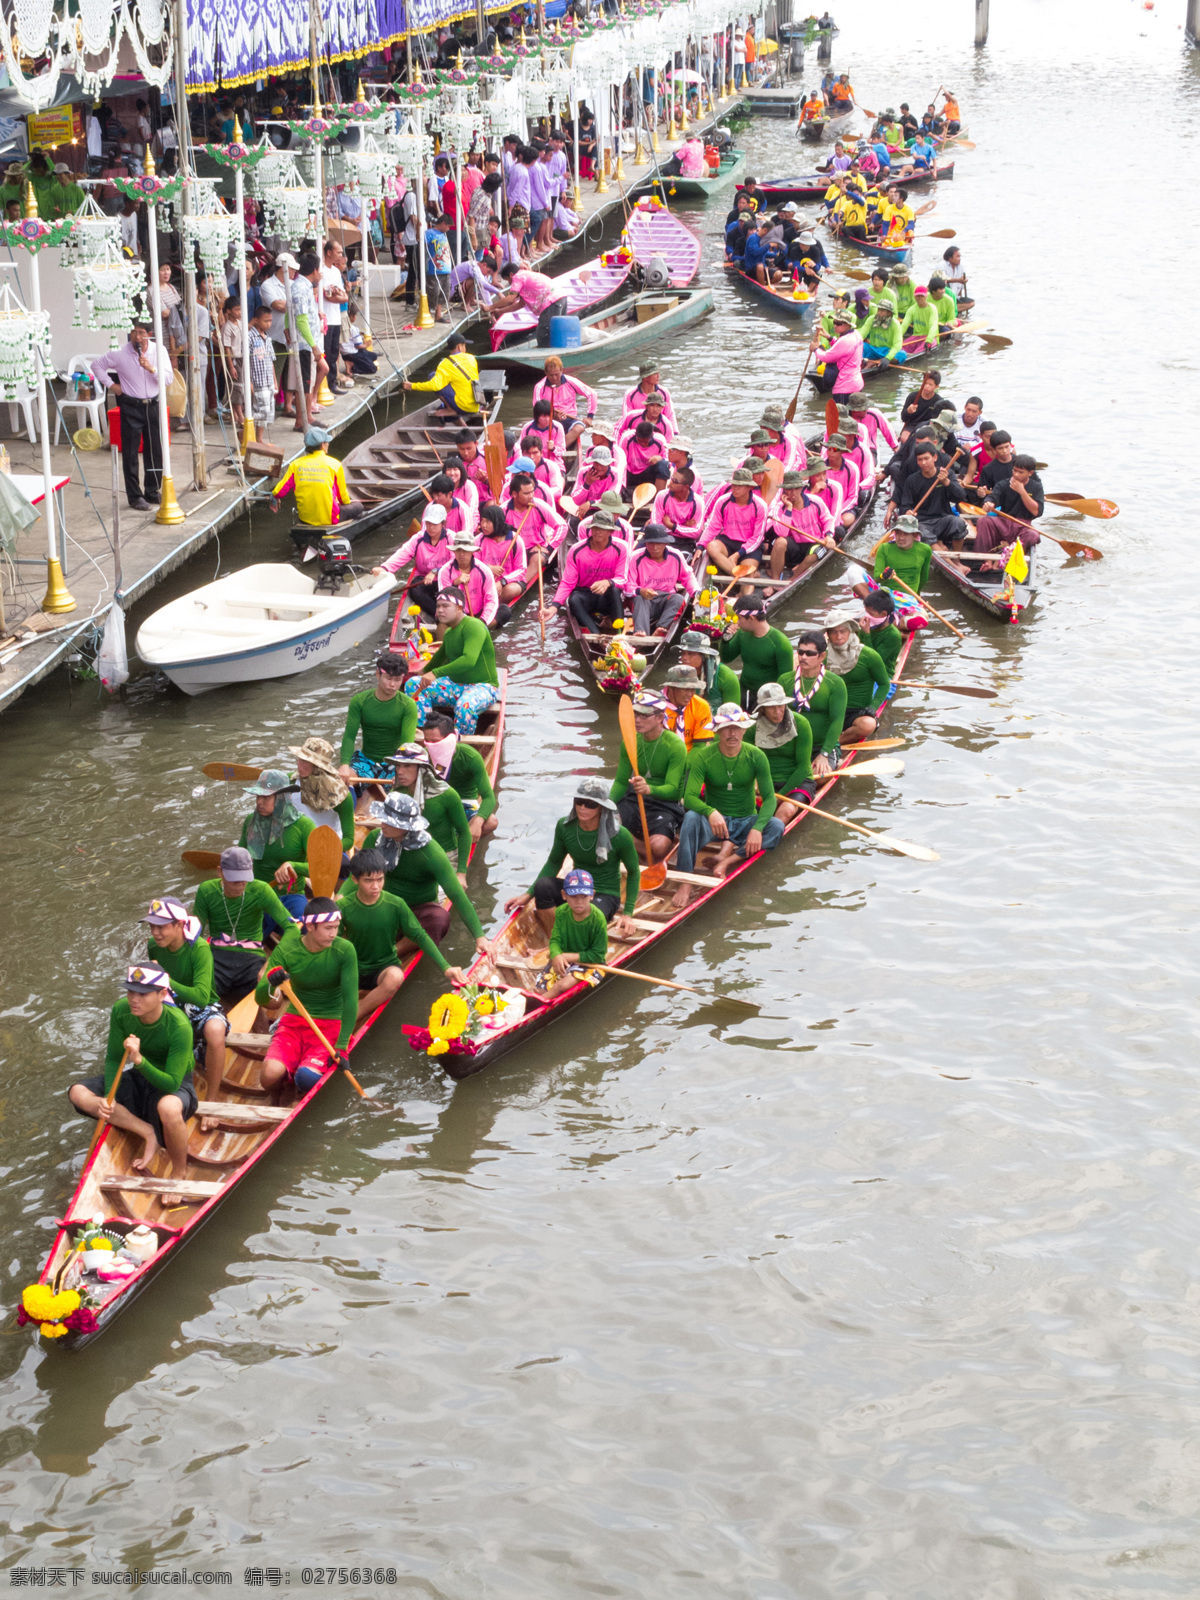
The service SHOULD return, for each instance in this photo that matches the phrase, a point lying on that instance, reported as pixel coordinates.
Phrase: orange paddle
(655, 874)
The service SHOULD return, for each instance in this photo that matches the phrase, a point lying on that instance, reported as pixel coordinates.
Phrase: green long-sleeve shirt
(729, 782)
(290, 847)
(166, 1047)
(239, 919)
(467, 654)
(762, 659)
(587, 938)
(883, 332)
(790, 763)
(726, 688)
(447, 822)
(424, 875)
(469, 775)
(190, 969)
(912, 565)
(826, 716)
(385, 725)
(325, 981)
(375, 929)
(920, 321)
(905, 298)
(887, 640)
(880, 296)
(571, 840)
(867, 682)
(663, 764)
(946, 306)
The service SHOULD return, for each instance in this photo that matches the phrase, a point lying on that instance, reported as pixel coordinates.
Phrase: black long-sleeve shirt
(917, 410)
(939, 504)
(1005, 498)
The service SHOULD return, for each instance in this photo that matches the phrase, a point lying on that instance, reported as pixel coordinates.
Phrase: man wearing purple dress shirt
(134, 368)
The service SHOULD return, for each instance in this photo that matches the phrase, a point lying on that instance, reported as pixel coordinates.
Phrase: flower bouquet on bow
(457, 1021)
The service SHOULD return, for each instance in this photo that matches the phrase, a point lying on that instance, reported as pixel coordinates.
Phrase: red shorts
(294, 1044)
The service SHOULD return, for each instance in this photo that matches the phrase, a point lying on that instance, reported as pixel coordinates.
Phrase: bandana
(770, 735)
(263, 831)
(322, 792)
(844, 658)
(321, 916)
(803, 701)
(390, 849)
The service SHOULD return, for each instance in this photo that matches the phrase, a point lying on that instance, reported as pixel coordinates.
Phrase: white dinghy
(266, 621)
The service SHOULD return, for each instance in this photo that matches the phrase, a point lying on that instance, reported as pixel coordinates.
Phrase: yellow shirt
(319, 482)
(832, 193)
(459, 372)
(853, 213)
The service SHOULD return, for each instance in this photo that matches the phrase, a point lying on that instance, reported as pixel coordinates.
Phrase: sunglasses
(808, 652)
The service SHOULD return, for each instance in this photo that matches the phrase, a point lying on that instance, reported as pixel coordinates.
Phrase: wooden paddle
(205, 860)
(885, 767)
(941, 233)
(772, 479)
(662, 983)
(742, 570)
(541, 596)
(109, 1098)
(873, 744)
(791, 410)
(997, 341)
(642, 496)
(867, 567)
(286, 988)
(324, 851)
(231, 772)
(1071, 546)
(919, 852)
(655, 874)
(494, 456)
(831, 416)
(1103, 509)
(952, 688)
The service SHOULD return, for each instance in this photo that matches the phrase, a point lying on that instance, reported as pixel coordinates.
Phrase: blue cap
(577, 881)
(523, 464)
(316, 436)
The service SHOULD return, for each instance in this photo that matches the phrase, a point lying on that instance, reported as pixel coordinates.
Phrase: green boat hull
(624, 333)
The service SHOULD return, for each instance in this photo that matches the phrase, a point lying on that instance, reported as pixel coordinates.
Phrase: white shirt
(129, 233)
(331, 278)
(739, 46)
(275, 295)
(94, 136)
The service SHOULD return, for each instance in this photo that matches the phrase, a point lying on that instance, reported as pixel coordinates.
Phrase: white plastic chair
(95, 410)
(24, 399)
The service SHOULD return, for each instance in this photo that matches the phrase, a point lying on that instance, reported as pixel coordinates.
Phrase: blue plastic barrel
(565, 333)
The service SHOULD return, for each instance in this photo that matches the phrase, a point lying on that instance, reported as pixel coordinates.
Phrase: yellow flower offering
(414, 611)
(438, 1047)
(43, 1305)
(53, 1330)
(484, 1006)
(100, 1244)
(449, 1016)
(703, 598)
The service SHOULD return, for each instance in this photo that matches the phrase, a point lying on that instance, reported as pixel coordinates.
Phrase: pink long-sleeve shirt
(588, 488)
(479, 586)
(832, 495)
(508, 554)
(460, 517)
(847, 479)
(553, 441)
(540, 526)
(664, 576)
(426, 554)
(566, 395)
(807, 522)
(585, 566)
(639, 455)
(635, 402)
(876, 425)
(681, 517)
(847, 352)
(741, 526)
(788, 448)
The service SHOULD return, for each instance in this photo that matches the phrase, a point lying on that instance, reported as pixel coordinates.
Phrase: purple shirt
(541, 186)
(124, 366)
(519, 186)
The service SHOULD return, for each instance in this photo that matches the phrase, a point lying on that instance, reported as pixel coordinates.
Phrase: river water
(885, 1292)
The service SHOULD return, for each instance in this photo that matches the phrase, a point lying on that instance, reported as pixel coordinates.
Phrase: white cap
(434, 513)
(287, 260)
(61, 166)
(843, 617)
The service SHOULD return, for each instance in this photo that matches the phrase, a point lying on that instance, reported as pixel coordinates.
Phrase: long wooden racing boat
(700, 188)
(614, 334)
(518, 967)
(248, 1127)
(779, 297)
(587, 288)
(812, 185)
(644, 649)
(989, 590)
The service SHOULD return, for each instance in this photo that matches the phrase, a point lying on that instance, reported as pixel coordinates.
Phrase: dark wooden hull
(813, 132)
(592, 650)
(461, 1065)
(989, 597)
(389, 471)
(780, 301)
(876, 369)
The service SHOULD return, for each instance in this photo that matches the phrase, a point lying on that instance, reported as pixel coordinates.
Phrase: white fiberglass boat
(266, 621)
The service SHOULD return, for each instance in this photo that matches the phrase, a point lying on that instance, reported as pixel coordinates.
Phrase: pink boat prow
(586, 289)
(660, 233)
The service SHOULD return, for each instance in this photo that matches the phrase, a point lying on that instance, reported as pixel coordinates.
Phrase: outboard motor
(656, 274)
(335, 560)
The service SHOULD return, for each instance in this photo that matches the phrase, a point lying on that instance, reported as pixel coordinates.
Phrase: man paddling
(177, 944)
(324, 798)
(155, 1096)
(734, 524)
(375, 922)
(660, 779)
(861, 669)
(786, 741)
(322, 969)
(935, 490)
(798, 527)
(385, 716)
(819, 697)
(461, 766)
(724, 776)
(903, 555)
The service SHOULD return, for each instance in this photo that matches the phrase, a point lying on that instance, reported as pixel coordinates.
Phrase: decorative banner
(35, 233)
(317, 128)
(241, 155)
(150, 187)
(107, 289)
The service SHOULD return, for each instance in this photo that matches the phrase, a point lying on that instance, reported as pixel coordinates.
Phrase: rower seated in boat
(535, 519)
(817, 481)
(872, 420)
(604, 436)
(579, 933)
(276, 835)
(780, 442)
(935, 491)
(464, 769)
(645, 455)
(724, 776)
(548, 430)
(819, 697)
(661, 776)
(690, 714)
(545, 471)
(384, 715)
(842, 359)
(861, 669)
(718, 683)
(419, 871)
(232, 910)
(734, 524)
(462, 671)
(813, 108)
(177, 945)
(882, 336)
(592, 835)
(594, 576)
(322, 969)
(877, 627)
(375, 922)
(567, 394)
(318, 481)
(679, 455)
(902, 556)
(857, 451)
(786, 741)
(427, 549)
(503, 553)
(155, 1095)
(466, 443)
(438, 802)
(680, 508)
(764, 651)
(637, 397)
(596, 477)
(798, 525)
(462, 487)
(921, 320)
(474, 577)
(942, 301)
(323, 796)
(1015, 502)
(760, 257)
(618, 509)
(659, 583)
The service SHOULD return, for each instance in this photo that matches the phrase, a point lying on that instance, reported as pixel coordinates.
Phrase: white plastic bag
(112, 661)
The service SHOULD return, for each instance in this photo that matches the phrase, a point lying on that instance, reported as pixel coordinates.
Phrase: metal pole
(58, 598)
(248, 433)
(1192, 24)
(195, 387)
(424, 317)
(170, 511)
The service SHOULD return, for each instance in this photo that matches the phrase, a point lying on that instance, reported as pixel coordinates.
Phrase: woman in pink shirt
(428, 550)
(536, 292)
(843, 359)
(503, 552)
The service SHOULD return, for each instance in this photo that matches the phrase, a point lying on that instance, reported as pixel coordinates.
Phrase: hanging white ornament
(24, 342)
(290, 212)
(211, 234)
(106, 288)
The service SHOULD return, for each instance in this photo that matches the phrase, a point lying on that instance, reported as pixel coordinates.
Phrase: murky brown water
(889, 1292)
